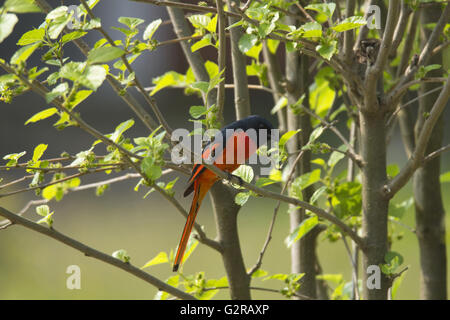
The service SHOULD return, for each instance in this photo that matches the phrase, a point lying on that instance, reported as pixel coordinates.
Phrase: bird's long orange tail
(200, 190)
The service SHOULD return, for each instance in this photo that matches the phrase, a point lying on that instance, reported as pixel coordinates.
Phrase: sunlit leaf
(44, 114)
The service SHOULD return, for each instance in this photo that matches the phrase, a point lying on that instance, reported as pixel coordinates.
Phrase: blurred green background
(33, 266)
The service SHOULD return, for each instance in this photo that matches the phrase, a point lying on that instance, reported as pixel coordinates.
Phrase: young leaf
(241, 198)
(58, 91)
(31, 36)
(152, 171)
(7, 23)
(43, 210)
(303, 228)
(160, 258)
(286, 137)
(151, 29)
(327, 49)
(39, 151)
(245, 173)
(131, 22)
(324, 8)
(93, 77)
(120, 129)
(197, 111)
(21, 6)
(304, 181)
(121, 255)
(42, 115)
(247, 41)
(23, 53)
(104, 54)
(199, 21)
(350, 23)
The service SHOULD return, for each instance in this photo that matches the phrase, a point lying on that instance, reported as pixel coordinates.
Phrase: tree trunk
(225, 211)
(374, 202)
(430, 213)
(303, 252)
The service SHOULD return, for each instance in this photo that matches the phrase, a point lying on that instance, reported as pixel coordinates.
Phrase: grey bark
(374, 202)
(238, 59)
(303, 252)
(429, 208)
(226, 211)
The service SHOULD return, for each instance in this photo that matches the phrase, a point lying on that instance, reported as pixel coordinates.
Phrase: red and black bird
(230, 148)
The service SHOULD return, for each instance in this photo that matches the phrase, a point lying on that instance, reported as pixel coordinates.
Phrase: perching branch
(91, 252)
(416, 159)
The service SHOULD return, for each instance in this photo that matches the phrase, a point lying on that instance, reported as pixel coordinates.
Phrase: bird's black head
(251, 122)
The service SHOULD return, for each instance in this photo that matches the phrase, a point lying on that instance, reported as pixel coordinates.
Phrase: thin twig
(275, 212)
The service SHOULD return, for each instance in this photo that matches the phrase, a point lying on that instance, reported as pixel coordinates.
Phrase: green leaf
(58, 91)
(303, 228)
(308, 30)
(336, 278)
(259, 273)
(281, 103)
(203, 86)
(199, 21)
(49, 192)
(272, 45)
(316, 195)
(350, 23)
(21, 6)
(392, 170)
(245, 173)
(286, 137)
(93, 77)
(327, 49)
(170, 78)
(241, 198)
(445, 177)
(346, 199)
(212, 25)
(31, 36)
(204, 42)
(58, 12)
(72, 36)
(23, 53)
(247, 41)
(152, 171)
(47, 219)
(39, 151)
(324, 8)
(57, 25)
(304, 181)
(131, 22)
(121, 255)
(190, 247)
(104, 54)
(321, 97)
(42, 115)
(197, 111)
(120, 129)
(160, 258)
(43, 210)
(79, 97)
(336, 156)
(151, 29)
(317, 132)
(13, 158)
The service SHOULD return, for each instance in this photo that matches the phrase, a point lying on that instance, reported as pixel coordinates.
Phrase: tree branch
(416, 159)
(221, 60)
(91, 252)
